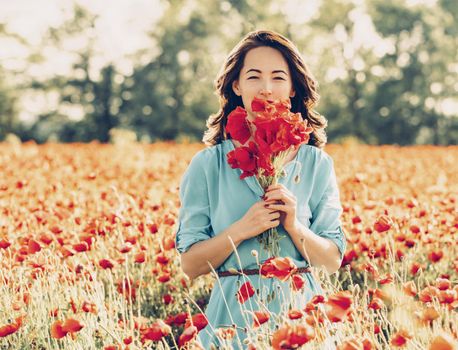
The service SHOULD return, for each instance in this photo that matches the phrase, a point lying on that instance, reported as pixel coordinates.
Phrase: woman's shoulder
(206, 157)
(318, 156)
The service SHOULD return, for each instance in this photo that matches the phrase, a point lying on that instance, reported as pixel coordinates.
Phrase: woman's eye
(279, 78)
(252, 78)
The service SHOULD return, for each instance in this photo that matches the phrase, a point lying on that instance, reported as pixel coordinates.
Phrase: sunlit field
(88, 260)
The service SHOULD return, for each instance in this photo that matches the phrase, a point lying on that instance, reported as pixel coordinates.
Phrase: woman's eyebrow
(273, 72)
(253, 70)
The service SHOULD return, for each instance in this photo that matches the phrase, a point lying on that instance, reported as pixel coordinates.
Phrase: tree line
(397, 86)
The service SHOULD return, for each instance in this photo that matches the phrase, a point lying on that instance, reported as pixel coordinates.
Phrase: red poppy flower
(72, 326)
(60, 329)
(428, 294)
(264, 163)
(167, 298)
(410, 288)
(258, 105)
(140, 257)
(383, 224)
(81, 247)
(277, 130)
(106, 264)
(281, 268)
(443, 341)
(292, 131)
(152, 228)
(57, 331)
(428, 315)
(295, 314)
(298, 282)
(259, 318)
(188, 335)
(318, 299)
(356, 344)
(156, 332)
(198, 320)
(226, 333)
(371, 269)
(237, 125)
(177, 319)
(447, 296)
(126, 248)
(244, 158)
(11, 328)
(376, 304)
(443, 283)
(400, 338)
(388, 278)
(245, 292)
(338, 306)
(162, 259)
(4, 243)
(292, 336)
(435, 256)
(165, 277)
(267, 127)
(89, 307)
(414, 268)
(283, 106)
(33, 247)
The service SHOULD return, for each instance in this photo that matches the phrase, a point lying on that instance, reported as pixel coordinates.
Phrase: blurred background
(77, 71)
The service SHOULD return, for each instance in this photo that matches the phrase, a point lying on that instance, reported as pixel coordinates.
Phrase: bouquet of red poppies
(277, 132)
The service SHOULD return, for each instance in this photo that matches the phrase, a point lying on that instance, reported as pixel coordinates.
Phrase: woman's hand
(257, 219)
(280, 198)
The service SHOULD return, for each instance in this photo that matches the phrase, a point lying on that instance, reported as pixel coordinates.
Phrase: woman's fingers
(275, 187)
(279, 195)
(276, 207)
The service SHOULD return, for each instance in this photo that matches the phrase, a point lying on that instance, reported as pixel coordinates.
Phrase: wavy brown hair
(304, 84)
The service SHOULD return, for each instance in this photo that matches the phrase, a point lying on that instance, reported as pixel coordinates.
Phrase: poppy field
(88, 259)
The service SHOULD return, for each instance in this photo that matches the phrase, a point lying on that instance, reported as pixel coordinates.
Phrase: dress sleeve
(194, 223)
(325, 220)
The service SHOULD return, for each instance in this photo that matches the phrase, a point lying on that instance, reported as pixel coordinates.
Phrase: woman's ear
(293, 93)
(236, 88)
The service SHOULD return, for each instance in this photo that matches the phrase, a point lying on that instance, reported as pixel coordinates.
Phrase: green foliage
(376, 96)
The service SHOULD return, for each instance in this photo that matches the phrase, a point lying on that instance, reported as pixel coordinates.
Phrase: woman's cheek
(282, 93)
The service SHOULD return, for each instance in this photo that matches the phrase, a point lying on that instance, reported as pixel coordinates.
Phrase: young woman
(219, 211)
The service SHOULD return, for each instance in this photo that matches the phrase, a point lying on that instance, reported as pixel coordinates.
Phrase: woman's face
(265, 74)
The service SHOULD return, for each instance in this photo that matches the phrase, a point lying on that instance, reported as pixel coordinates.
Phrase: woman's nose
(265, 92)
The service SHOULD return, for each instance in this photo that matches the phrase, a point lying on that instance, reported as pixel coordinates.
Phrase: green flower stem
(269, 239)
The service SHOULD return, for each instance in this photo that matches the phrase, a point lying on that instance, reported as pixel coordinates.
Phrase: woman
(221, 215)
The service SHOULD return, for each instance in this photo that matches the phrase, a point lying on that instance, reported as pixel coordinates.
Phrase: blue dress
(213, 197)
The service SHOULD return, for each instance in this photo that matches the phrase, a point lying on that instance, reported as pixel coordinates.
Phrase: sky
(121, 28)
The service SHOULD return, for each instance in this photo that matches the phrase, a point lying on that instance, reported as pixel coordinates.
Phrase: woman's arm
(323, 243)
(316, 250)
(213, 251)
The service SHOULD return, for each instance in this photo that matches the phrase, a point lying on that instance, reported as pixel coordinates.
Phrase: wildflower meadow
(88, 259)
